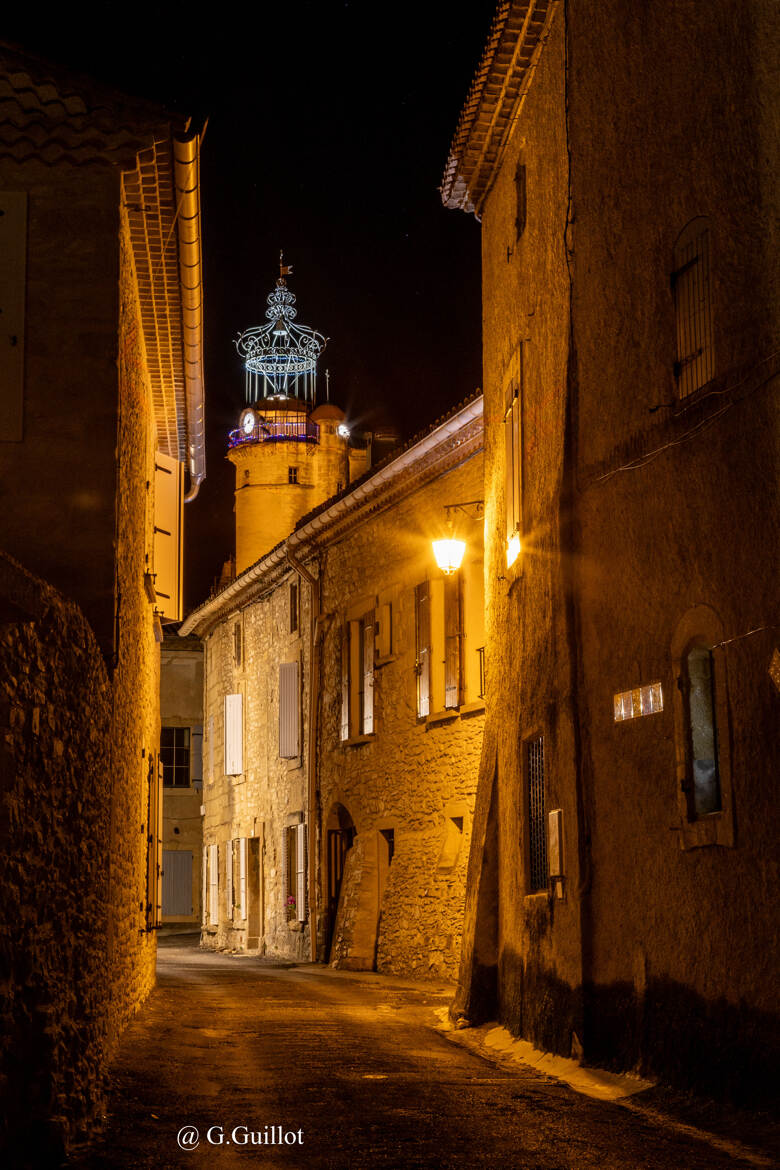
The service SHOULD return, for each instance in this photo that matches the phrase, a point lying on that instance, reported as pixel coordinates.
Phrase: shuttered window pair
(294, 859)
(357, 676)
(452, 650)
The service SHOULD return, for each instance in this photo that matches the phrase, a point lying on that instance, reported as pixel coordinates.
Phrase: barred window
(537, 821)
(292, 474)
(692, 292)
(702, 734)
(175, 756)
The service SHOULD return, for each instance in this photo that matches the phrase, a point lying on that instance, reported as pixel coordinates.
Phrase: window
(646, 700)
(292, 474)
(294, 849)
(422, 612)
(175, 756)
(520, 199)
(237, 644)
(357, 676)
(294, 600)
(452, 641)
(482, 677)
(234, 735)
(537, 826)
(692, 292)
(701, 720)
(703, 788)
(289, 711)
(229, 896)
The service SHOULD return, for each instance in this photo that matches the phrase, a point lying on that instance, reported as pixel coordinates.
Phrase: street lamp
(449, 551)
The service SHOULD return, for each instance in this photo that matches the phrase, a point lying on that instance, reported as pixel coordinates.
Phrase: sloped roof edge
(501, 80)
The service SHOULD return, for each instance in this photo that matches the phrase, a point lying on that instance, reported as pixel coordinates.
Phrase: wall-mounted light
(450, 550)
(513, 547)
(343, 430)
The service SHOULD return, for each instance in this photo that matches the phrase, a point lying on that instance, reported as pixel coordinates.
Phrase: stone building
(181, 755)
(102, 412)
(623, 162)
(342, 677)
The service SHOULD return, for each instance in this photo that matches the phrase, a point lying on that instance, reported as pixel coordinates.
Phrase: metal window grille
(293, 607)
(537, 837)
(175, 756)
(481, 655)
(695, 365)
(237, 643)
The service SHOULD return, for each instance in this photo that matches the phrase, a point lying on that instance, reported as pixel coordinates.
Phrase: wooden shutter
(300, 873)
(367, 647)
(234, 735)
(242, 878)
(213, 885)
(422, 605)
(177, 883)
(289, 711)
(452, 641)
(384, 631)
(204, 878)
(168, 505)
(229, 880)
(345, 681)
(13, 283)
(196, 755)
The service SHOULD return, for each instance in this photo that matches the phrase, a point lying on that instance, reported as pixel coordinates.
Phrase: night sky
(329, 127)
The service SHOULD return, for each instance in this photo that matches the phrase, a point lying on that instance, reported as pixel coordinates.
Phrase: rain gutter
(186, 168)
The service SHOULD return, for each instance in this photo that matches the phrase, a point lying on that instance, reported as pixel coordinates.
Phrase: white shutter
(367, 721)
(234, 735)
(213, 885)
(211, 749)
(300, 873)
(204, 877)
(229, 879)
(289, 711)
(168, 505)
(13, 281)
(242, 878)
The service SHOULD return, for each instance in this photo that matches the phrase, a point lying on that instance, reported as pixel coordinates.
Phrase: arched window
(698, 680)
(692, 292)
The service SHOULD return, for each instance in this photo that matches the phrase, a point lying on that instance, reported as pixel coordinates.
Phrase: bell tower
(290, 454)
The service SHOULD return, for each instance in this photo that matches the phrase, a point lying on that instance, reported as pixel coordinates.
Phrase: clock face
(248, 422)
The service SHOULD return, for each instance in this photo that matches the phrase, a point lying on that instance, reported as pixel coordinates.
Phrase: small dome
(326, 411)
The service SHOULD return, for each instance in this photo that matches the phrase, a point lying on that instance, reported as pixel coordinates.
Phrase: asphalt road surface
(332, 1069)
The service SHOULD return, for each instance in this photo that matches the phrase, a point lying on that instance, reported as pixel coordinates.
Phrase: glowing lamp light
(449, 554)
(343, 430)
(512, 549)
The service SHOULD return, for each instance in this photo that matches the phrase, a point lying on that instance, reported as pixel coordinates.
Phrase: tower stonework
(290, 454)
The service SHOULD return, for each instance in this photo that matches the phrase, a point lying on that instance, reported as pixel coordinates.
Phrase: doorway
(341, 833)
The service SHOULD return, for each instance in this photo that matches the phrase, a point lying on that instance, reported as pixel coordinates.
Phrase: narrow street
(350, 1070)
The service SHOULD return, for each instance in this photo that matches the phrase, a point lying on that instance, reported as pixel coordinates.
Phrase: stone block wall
(55, 724)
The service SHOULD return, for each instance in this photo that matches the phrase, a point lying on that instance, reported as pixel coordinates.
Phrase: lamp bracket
(471, 508)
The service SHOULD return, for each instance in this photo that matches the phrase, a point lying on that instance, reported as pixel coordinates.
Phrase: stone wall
(55, 723)
(415, 778)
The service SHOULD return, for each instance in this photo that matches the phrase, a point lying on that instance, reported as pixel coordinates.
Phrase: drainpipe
(314, 695)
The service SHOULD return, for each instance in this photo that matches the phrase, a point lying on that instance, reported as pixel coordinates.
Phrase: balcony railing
(277, 431)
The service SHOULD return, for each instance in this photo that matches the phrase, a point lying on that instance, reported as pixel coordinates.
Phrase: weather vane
(284, 269)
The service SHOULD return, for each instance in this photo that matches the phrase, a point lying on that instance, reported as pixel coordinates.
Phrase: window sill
(445, 716)
(379, 662)
(357, 740)
(715, 828)
(475, 708)
(293, 762)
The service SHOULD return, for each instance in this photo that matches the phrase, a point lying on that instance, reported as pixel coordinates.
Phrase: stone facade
(181, 711)
(647, 484)
(80, 436)
(384, 812)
